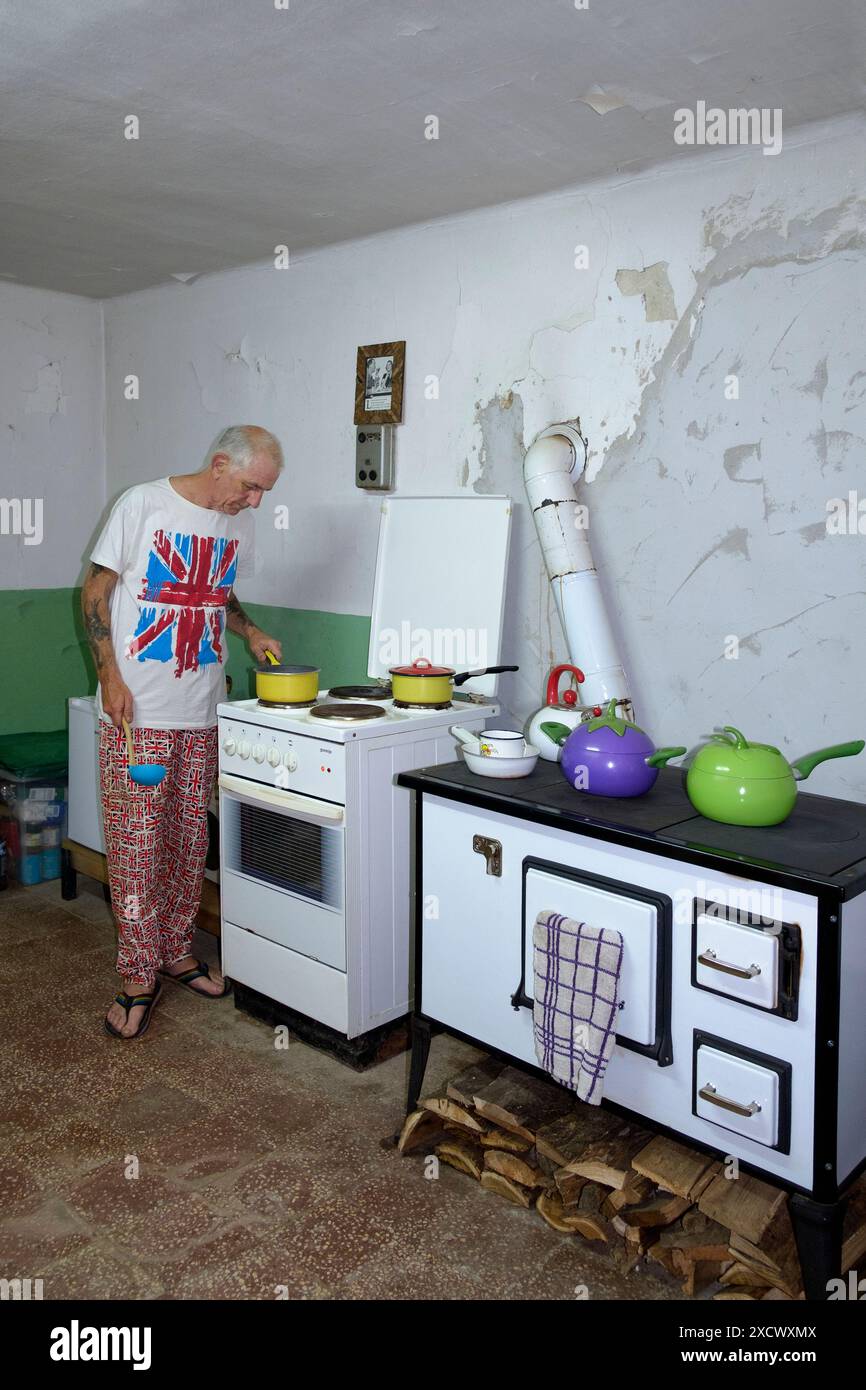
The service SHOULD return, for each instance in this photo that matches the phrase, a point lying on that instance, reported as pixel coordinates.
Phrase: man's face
(239, 488)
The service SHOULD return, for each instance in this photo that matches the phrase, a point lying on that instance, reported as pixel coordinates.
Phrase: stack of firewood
(589, 1173)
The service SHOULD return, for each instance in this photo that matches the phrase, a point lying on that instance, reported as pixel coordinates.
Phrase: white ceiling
(305, 126)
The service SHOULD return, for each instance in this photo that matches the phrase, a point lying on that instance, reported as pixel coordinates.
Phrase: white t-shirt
(177, 563)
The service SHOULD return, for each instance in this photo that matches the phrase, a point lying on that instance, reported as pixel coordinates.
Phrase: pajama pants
(156, 842)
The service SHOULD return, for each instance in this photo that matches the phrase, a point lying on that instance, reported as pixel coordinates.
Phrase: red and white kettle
(566, 710)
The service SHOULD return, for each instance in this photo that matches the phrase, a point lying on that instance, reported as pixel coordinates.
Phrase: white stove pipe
(552, 466)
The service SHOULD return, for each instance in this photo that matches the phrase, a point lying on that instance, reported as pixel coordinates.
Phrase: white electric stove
(316, 837)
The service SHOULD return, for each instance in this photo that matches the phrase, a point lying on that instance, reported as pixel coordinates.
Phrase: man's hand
(116, 699)
(260, 641)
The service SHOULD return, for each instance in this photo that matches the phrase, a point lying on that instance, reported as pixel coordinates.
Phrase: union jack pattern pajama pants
(156, 843)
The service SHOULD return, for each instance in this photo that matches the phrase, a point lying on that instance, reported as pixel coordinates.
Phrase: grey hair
(242, 443)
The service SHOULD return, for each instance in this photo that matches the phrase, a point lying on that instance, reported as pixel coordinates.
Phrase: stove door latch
(492, 851)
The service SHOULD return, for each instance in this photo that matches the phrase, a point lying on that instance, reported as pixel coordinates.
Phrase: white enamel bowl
(501, 767)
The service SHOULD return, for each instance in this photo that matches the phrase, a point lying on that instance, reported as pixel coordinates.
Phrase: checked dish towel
(576, 970)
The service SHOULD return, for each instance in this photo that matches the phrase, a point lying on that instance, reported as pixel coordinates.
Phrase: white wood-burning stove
(744, 969)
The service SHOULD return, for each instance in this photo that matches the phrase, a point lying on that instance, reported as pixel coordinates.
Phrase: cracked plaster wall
(707, 512)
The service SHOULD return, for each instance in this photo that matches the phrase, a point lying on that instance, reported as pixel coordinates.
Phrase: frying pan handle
(485, 671)
(803, 766)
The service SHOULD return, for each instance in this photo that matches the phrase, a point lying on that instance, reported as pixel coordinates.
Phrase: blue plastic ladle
(144, 774)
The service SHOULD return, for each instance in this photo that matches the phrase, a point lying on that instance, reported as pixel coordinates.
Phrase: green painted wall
(44, 656)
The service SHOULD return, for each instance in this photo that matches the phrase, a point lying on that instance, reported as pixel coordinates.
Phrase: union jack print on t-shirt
(183, 598)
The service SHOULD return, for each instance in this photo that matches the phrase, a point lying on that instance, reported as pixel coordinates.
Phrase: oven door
(282, 872)
(642, 918)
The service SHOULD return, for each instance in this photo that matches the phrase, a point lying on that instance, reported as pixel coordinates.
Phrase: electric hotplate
(360, 692)
(347, 713)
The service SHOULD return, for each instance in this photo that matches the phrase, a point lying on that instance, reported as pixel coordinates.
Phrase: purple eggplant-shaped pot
(609, 756)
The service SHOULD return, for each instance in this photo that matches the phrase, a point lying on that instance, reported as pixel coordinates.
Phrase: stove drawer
(742, 1090)
(743, 957)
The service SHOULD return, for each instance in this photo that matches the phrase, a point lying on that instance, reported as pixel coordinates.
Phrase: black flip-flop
(196, 972)
(129, 1001)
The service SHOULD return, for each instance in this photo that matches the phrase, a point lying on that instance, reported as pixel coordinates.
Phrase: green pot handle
(661, 756)
(557, 732)
(803, 766)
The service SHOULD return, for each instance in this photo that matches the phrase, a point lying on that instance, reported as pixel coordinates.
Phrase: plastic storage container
(32, 823)
(33, 798)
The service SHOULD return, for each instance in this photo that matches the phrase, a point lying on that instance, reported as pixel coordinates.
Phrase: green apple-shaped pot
(741, 783)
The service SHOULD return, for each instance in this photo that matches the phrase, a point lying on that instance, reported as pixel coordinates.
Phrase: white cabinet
(85, 811)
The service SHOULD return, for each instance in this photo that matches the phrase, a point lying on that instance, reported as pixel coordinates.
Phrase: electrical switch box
(374, 457)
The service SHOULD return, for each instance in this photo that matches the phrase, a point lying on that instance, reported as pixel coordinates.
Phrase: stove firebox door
(642, 918)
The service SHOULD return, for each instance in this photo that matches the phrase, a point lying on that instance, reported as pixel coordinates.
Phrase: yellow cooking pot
(286, 685)
(422, 683)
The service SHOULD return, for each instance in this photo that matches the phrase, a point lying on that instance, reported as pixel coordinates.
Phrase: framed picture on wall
(379, 384)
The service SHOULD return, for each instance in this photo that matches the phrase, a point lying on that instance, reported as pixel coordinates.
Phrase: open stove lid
(440, 584)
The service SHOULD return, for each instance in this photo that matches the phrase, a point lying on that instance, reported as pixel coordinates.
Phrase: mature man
(158, 597)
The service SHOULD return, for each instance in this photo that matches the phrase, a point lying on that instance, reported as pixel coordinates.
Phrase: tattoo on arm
(98, 632)
(97, 621)
(236, 619)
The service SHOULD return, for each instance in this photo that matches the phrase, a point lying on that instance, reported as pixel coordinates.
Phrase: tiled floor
(202, 1162)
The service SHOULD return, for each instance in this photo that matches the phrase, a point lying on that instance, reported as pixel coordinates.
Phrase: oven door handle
(302, 807)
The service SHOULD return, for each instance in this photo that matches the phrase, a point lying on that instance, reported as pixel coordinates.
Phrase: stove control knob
(229, 746)
(259, 753)
(244, 749)
(291, 761)
(274, 757)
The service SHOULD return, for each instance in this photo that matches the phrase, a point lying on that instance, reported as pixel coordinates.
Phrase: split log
(514, 1167)
(743, 1293)
(697, 1246)
(504, 1187)
(788, 1279)
(574, 1222)
(758, 1217)
(421, 1131)
(454, 1113)
(522, 1104)
(463, 1154)
(609, 1160)
(470, 1080)
(638, 1238)
(566, 1138)
(745, 1204)
(670, 1165)
(589, 1226)
(634, 1190)
(659, 1210)
(739, 1273)
(549, 1206)
(501, 1139)
(569, 1187)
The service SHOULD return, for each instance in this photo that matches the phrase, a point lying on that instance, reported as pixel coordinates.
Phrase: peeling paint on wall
(654, 285)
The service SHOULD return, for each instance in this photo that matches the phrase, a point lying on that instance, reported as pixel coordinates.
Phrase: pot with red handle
(609, 756)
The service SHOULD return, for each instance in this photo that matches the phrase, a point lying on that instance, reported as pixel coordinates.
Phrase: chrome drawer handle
(708, 1092)
(742, 973)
